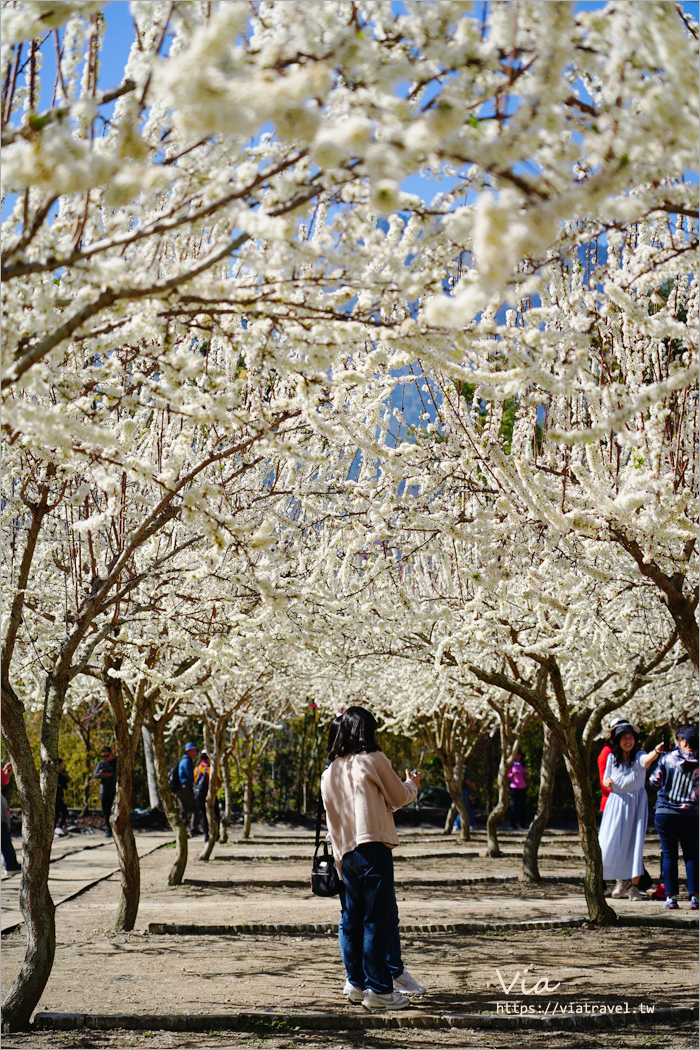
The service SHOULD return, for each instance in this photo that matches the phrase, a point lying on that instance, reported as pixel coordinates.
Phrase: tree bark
(228, 797)
(548, 768)
(453, 775)
(125, 842)
(34, 898)
(248, 799)
(177, 872)
(562, 727)
(500, 809)
(37, 789)
(593, 886)
(121, 811)
(218, 739)
(153, 793)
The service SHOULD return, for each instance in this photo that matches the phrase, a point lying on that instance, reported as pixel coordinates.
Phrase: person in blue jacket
(185, 773)
(676, 814)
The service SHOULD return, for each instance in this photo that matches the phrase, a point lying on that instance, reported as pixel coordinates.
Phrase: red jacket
(602, 762)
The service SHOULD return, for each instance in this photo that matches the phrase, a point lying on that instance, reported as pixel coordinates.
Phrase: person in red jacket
(603, 758)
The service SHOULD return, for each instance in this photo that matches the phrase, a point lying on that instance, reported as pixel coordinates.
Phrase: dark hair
(689, 734)
(618, 754)
(353, 735)
(333, 731)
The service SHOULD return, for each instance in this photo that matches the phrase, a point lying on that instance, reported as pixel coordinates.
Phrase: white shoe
(407, 985)
(634, 894)
(392, 1001)
(353, 992)
(620, 888)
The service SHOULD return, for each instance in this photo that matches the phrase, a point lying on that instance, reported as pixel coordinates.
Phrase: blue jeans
(369, 921)
(674, 828)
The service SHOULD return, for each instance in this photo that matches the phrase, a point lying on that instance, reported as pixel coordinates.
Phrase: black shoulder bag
(325, 881)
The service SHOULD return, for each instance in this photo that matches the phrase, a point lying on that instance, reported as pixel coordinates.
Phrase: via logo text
(540, 987)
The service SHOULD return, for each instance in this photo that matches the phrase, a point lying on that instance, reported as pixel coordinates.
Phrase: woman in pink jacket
(360, 793)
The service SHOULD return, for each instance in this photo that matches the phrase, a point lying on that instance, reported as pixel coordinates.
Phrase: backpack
(174, 780)
(201, 786)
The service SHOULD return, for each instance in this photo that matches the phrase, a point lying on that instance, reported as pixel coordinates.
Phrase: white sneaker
(620, 888)
(634, 894)
(405, 984)
(376, 1001)
(353, 991)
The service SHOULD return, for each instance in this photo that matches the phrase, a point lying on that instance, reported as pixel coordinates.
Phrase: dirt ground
(98, 971)
(672, 1037)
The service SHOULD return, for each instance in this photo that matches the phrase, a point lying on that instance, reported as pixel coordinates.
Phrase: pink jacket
(517, 775)
(360, 794)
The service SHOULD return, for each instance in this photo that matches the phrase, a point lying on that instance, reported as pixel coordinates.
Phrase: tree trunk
(500, 809)
(126, 844)
(218, 743)
(177, 872)
(453, 783)
(37, 801)
(248, 799)
(228, 797)
(153, 793)
(598, 908)
(121, 810)
(548, 769)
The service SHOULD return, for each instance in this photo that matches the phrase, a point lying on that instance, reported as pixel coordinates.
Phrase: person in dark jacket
(185, 793)
(61, 807)
(676, 814)
(106, 773)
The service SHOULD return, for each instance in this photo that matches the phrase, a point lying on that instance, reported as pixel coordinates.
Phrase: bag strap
(318, 821)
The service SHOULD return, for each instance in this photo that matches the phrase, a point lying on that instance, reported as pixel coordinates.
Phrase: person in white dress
(624, 822)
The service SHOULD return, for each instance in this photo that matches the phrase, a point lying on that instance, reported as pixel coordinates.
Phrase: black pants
(199, 816)
(517, 796)
(61, 813)
(8, 850)
(107, 801)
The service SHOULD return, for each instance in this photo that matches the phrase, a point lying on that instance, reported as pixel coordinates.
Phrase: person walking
(517, 779)
(676, 814)
(360, 792)
(185, 792)
(61, 808)
(624, 822)
(106, 773)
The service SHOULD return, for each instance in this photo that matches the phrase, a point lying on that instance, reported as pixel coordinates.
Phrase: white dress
(624, 822)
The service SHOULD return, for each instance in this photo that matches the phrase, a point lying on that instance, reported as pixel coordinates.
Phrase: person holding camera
(676, 814)
(360, 792)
